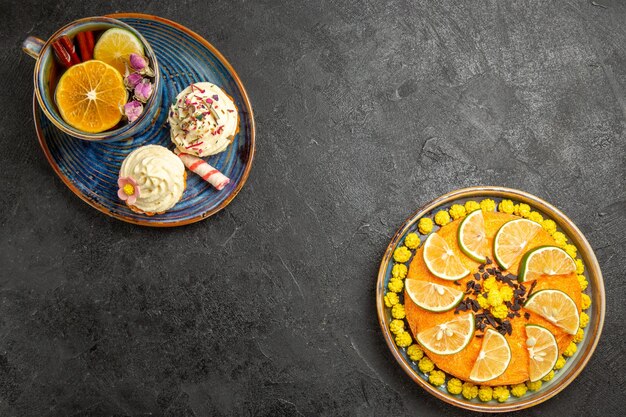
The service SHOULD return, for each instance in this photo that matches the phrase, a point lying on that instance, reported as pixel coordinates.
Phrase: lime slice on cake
(543, 351)
(441, 261)
(472, 238)
(115, 46)
(493, 359)
(450, 337)
(556, 307)
(511, 240)
(545, 260)
(433, 297)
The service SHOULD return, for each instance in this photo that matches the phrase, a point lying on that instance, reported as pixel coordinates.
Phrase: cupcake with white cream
(152, 180)
(204, 120)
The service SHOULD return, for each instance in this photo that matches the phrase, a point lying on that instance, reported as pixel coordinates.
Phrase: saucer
(90, 169)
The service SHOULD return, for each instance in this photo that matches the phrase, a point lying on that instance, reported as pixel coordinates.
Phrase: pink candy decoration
(122, 182)
(204, 170)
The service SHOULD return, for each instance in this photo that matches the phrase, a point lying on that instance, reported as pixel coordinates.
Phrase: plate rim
(147, 221)
(572, 231)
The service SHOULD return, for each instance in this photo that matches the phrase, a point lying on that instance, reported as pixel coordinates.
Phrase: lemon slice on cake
(493, 359)
(450, 337)
(543, 351)
(441, 260)
(556, 307)
(433, 297)
(545, 260)
(511, 240)
(472, 238)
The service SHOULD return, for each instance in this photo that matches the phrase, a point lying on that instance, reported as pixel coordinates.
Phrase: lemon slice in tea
(511, 240)
(493, 359)
(450, 337)
(543, 351)
(441, 260)
(433, 297)
(115, 46)
(556, 307)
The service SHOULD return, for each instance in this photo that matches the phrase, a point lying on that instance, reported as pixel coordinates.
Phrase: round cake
(152, 179)
(460, 364)
(204, 120)
(487, 299)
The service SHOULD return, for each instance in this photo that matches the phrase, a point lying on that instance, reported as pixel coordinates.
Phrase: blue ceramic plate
(91, 169)
(595, 290)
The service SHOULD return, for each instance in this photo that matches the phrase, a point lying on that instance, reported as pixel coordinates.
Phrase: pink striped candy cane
(203, 169)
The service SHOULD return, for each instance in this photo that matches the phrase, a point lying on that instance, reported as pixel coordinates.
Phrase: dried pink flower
(143, 90)
(132, 110)
(131, 80)
(137, 62)
(140, 64)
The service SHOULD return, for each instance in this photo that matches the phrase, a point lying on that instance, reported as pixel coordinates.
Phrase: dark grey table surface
(365, 111)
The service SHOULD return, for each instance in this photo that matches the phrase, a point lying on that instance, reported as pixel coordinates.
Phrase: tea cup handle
(32, 46)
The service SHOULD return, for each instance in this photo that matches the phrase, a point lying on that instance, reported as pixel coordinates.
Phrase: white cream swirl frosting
(160, 176)
(204, 120)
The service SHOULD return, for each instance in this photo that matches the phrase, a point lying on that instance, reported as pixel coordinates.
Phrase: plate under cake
(447, 374)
